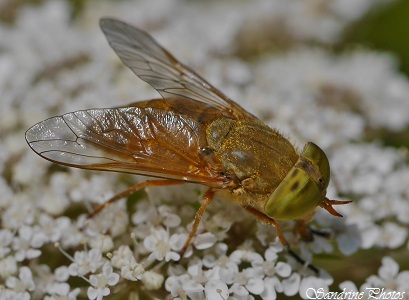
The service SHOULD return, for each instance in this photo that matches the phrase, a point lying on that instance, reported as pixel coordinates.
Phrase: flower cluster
(52, 63)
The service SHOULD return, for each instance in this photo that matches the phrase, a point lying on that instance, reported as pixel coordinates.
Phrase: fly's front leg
(266, 220)
(207, 198)
(303, 231)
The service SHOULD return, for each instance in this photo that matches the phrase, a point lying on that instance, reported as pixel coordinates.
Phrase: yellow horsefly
(194, 133)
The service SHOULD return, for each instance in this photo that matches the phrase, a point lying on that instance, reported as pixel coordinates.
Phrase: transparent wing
(153, 64)
(141, 140)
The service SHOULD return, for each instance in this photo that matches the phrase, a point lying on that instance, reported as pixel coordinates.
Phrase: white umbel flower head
(101, 282)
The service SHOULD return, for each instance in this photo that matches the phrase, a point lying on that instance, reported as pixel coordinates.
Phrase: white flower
(27, 168)
(389, 277)
(97, 189)
(365, 170)
(291, 284)
(55, 199)
(8, 266)
(147, 215)
(310, 284)
(392, 236)
(19, 213)
(271, 286)
(146, 212)
(369, 233)
(347, 235)
(23, 284)
(195, 270)
(172, 285)
(250, 280)
(101, 241)
(220, 250)
(388, 280)
(100, 282)
(132, 270)
(112, 219)
(162, 245)
(349, 286)
(184, 286)
(53, 228)
(28, 241)
(72, 295)
(73, 235)
(152, 280)
(122, 256)
(216, 289)
(61, 273)
(124, 259)
(228, 269)
(85, 262)
(52, 283)
(6, 238)
(170, 220)
(272, 267)
(239, 256)
(6, 196)
(204, 240)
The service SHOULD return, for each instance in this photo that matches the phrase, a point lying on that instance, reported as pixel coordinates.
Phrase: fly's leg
(207, 198)
(303, 231)
(321, 232)
(131, 190)
(306, 232)
(266, 220)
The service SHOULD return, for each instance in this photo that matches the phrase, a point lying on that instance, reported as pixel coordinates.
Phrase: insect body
(193, 134)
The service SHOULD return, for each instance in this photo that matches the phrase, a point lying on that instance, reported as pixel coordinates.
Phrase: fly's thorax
(258, 156)
(304, 187)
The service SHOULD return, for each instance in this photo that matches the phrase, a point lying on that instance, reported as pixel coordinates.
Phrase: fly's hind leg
(131, 190)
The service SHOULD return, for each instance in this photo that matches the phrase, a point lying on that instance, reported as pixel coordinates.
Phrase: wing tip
(105, 20)
(109, 23)
(28, 134)
(34, 133)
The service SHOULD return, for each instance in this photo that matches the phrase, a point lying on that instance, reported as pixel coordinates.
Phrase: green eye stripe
(312, 170)
(319, 160)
